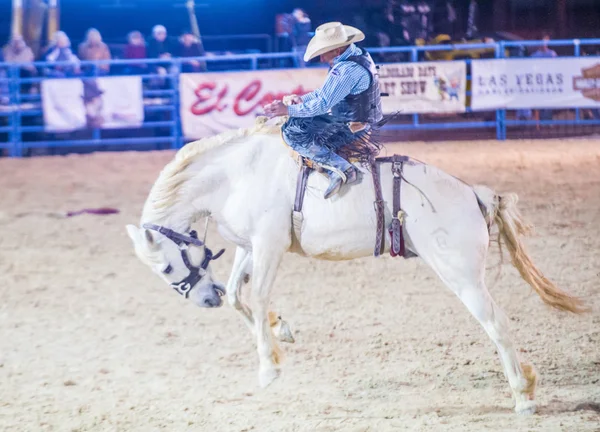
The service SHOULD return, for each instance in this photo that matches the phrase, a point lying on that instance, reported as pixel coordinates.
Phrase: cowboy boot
(336, 180)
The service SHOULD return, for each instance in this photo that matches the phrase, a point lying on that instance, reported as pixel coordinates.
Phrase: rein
(182, 241)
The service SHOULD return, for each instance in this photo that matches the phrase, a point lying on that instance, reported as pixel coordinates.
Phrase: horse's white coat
(248, 185)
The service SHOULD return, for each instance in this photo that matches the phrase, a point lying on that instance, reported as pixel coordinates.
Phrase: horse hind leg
(459, 261)
(521, 377)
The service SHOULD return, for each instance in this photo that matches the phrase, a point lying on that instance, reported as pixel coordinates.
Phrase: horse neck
(209, 179)
(195, 199)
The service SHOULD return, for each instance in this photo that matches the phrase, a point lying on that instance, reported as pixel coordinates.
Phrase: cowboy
(350, 92)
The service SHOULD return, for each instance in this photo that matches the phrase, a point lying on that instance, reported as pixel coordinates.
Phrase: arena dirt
(92, 341)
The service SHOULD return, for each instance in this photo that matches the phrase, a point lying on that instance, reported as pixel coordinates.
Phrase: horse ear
(149, 238)
(134, 233)
(141, 237)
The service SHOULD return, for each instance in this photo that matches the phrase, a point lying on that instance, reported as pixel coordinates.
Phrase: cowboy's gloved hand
(292, 100)
(276, 109)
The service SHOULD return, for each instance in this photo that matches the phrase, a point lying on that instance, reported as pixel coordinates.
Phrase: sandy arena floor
(92, 341)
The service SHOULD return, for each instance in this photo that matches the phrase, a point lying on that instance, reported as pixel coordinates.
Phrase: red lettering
(249, 92)
(207, 101)
(209, 98)
(246, 95)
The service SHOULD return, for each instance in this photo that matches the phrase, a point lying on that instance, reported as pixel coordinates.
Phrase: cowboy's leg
(324, 157)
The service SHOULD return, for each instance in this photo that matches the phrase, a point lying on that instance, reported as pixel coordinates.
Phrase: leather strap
(297, 217)
(379, 210)
(396, 234)
(301, 186)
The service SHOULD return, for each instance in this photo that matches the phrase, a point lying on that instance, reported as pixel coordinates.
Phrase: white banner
(107, 103)
(536, 83)
(215, 102)
(427, 87)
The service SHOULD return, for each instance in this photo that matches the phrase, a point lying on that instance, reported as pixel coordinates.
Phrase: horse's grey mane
(165, 192)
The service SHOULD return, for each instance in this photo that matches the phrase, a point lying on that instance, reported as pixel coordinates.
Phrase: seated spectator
(60, 51)
(300, 34)
(135, 50)
(159, 45)
(189, 46)
(17, 51)
(545, 51)
(93, 49)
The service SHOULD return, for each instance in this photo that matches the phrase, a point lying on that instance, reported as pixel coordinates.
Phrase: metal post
(414, 57)
(577, 52)
(176, 128)
(501, 113)
(254, 63)
(95, 131)
(17, 18)
(53, 18)
(16, 149)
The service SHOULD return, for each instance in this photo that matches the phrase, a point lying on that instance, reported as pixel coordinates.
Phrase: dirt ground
(91, 340)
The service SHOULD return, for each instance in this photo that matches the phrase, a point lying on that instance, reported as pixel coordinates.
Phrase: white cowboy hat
(330, 36)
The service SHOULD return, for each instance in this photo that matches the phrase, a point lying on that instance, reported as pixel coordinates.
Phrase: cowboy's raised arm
(340, 82)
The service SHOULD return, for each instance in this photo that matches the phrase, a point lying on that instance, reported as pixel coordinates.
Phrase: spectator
(545, 51)
(301, 28)
(60, 51)
(17, 51)
(159, 45)
(93, 49)
(189, 46)
(135, 50)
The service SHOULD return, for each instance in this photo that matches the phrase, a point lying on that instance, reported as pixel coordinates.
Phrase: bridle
(182, 241)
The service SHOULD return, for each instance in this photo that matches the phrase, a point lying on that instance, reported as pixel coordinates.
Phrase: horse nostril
(211, 301)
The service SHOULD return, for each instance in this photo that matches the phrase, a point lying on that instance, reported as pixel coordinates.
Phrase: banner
(106, 103)
(215, 102)
(536, 83)
(427, 87)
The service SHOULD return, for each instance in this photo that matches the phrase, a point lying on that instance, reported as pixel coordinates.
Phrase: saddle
(396, 228)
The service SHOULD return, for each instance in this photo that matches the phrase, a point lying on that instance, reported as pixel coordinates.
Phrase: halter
(182, 241)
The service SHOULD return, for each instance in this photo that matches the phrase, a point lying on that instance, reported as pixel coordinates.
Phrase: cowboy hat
(330, 36)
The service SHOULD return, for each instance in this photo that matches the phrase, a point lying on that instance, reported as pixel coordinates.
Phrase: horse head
(181, 260)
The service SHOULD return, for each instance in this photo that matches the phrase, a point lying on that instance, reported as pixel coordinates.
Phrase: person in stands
(189, 46)
(545, 52)
(93, 49)
(135, 50)
(60, 51)
(301, 28)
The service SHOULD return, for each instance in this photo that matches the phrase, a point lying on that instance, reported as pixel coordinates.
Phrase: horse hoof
(285, 333)
(526, 408)
(267, 376)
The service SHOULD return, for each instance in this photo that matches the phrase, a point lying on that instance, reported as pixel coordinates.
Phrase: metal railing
(21, 116)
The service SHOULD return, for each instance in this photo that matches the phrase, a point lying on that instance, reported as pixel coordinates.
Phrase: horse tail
(502, 210)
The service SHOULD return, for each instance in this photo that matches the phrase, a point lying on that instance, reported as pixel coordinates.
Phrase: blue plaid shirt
(344, 78)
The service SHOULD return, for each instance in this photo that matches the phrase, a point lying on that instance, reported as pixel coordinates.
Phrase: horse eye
(168, 270)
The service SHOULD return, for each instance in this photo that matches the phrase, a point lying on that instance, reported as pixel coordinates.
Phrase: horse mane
(165, 192)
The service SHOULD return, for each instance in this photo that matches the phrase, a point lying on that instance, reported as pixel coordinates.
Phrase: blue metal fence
(21, 117)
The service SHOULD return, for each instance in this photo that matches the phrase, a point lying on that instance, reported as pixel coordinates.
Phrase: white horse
(246, 180)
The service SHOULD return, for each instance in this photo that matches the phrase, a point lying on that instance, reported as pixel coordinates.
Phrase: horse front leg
(266, 257)
(240, 273)
(241, 262)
